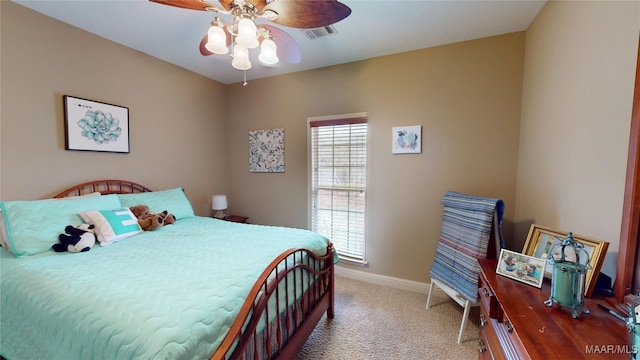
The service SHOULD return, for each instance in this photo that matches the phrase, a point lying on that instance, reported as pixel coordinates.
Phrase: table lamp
(219, 204)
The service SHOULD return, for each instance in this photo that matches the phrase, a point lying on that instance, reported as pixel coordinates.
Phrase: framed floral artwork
(266, 150)
(95, 126)
(406, 139)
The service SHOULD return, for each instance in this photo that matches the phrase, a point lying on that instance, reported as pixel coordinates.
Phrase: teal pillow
(172, 200)
(112, 225)
(33, 226)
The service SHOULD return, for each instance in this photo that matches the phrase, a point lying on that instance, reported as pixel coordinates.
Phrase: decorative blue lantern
(571, 262)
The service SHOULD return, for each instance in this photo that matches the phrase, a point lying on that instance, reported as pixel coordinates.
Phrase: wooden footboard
(283, 307)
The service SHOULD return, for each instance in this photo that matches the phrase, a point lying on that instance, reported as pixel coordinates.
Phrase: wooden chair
(471, 229)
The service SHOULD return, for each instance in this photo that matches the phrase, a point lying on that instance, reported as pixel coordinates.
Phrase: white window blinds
(338, 183)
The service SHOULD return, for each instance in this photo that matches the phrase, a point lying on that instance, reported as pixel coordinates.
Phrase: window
(339, 182)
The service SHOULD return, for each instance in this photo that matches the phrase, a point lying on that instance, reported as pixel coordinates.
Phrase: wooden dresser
(515, 324)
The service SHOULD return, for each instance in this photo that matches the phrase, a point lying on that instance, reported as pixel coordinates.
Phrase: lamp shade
(268, 53)
(218, 202)
(217, 40)
(247, 34)
(241, 58)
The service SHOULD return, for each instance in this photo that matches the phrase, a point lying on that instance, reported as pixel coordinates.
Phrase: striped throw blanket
(466, 228)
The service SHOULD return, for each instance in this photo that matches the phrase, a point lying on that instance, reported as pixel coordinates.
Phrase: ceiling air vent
(320, 32)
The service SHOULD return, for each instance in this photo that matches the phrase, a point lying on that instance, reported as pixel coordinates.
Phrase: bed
(196, 289)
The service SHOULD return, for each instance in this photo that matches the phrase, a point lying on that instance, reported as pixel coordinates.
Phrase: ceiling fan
(244, 34)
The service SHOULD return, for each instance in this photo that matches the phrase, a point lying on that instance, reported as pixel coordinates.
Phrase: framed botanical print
(95, 126)
(266, 150)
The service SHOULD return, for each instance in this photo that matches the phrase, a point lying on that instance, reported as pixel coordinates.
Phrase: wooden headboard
(104, 187)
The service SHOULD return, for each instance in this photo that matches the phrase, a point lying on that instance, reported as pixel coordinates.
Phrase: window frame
(342, 119)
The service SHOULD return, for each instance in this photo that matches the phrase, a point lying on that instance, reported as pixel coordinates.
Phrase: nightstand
(236, 218)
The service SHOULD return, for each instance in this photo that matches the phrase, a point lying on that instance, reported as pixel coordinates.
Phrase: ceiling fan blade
(203, 49)
(259, 4)
(288, 49)
(186, 4)
(226, 4)
(306, 14)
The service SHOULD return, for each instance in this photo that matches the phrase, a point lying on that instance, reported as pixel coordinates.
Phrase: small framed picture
(406, 139)
(266, 150)
(521, 267)
(95, 126)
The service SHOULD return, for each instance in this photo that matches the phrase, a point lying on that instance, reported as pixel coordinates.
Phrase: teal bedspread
(166, 294)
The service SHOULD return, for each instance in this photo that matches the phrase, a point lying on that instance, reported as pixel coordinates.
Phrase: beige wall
(186, 130)
(0, 105)
(577, 96)
(466, 96)
(175, 115)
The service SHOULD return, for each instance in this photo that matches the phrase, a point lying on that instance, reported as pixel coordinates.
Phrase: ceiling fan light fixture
(241, 58)
(217, 40)
(268, 52)
(270, 15)
(247, 34)
(243, 33)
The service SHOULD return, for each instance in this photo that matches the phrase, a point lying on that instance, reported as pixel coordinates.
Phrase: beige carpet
(377, 322)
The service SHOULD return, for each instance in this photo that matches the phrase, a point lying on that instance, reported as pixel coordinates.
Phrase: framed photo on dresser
(541, 240)
(521, 267)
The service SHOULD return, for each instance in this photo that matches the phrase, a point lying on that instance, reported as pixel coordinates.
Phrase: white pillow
(112, 225)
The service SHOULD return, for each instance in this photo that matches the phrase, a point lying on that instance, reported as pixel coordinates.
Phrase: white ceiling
(374, 28)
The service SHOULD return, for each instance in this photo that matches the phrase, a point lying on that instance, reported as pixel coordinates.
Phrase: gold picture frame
(541, 239)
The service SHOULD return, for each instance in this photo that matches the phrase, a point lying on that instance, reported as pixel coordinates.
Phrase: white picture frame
(524, 268)
(406, 139)
(266, 150)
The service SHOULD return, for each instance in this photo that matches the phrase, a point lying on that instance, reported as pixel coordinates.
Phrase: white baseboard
(390, 281)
